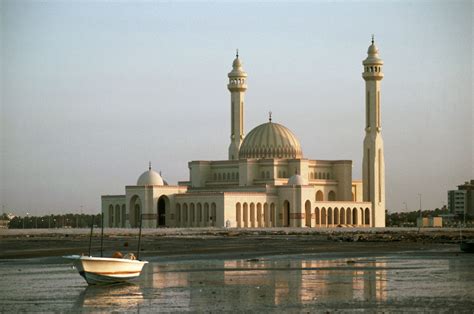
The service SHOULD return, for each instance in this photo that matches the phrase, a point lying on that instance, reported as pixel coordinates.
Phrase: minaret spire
(237, 87)
(373, 168)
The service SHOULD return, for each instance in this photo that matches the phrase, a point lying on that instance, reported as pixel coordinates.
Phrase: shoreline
(194, 243)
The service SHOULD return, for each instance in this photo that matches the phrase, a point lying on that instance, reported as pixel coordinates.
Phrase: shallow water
(433, 281)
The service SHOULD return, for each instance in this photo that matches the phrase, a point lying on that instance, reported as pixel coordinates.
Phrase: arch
(192, 214)
(266, 215)
(178, 214)
(348, 216)
(316, 216)
(259, 215)
(246, 215)
(206, 214)
(185, 214)
(367, 217)
(252, 215)
(330, 217)
(199, 214)
(124, 216)
(286, 214)
(324, 220)
(238, 215)
(272, 215)
(307, 213)
(354, 217)
(332, 196)
(111, 216)
(213, 217)
(117, 216)
(319, 196)
(336, 216)
(135, 211)
(161, 206)
(342, 218)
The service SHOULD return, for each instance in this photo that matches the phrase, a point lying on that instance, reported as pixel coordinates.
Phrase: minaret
(237, 87)
(373, 169)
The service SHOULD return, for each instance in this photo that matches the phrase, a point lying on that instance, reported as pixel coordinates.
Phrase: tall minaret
(237, 87)
(373, 169)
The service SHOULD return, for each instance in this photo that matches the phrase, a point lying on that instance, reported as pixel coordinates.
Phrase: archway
(111, 216)
(238, 215)
(342, 220)
(319, 196)
(286, 214)
(162, 206)
(307, 213)
(367, 217)
(135, 211)
(272, 215)
(117, 216)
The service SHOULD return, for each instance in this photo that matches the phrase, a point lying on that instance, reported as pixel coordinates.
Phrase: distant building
(431, 222)
(461, 201)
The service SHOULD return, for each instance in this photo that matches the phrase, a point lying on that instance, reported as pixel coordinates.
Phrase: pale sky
(92, 91)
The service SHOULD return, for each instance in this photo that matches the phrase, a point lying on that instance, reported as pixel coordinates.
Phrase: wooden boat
(107, 270)
(467, 246)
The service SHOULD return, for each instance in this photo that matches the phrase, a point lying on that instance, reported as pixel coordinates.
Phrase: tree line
(53, 221)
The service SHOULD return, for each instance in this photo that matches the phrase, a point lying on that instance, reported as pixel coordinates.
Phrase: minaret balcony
(372, 76)
(237, 87)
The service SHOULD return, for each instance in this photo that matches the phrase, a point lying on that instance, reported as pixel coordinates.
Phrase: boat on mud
(107, 270)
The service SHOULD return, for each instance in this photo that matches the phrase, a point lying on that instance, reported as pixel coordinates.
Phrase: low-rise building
(461, 201)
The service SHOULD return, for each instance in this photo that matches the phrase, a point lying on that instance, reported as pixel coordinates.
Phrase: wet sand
(225, 243)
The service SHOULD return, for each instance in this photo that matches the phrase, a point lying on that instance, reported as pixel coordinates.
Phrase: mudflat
(202, 243)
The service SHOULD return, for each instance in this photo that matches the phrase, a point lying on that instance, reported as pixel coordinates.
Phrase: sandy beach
(225, 243)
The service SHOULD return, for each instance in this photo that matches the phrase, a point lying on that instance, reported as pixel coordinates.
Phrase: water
(433, 281)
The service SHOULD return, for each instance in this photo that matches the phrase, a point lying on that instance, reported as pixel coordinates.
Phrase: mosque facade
(265, 182)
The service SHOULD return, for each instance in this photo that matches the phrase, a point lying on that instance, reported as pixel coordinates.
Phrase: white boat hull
(104, 270)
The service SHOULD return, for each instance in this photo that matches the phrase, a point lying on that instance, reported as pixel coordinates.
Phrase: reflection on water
(124, 296)
(296, 283)
(272, 282)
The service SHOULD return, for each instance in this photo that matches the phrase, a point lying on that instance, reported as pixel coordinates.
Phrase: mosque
(266, 182)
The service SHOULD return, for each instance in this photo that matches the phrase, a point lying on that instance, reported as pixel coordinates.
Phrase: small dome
(270, 140)
(237, 63)
(296, 179)
(150, 177)
(373, 55)
(237, 70)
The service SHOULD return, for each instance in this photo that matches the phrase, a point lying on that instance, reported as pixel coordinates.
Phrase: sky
(93, 91)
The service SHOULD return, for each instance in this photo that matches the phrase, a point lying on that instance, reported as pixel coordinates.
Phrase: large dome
(270, 140)
(150, 177)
